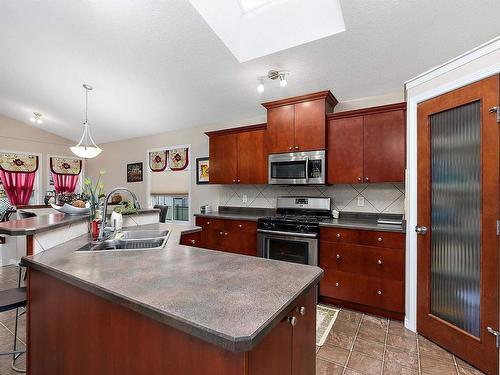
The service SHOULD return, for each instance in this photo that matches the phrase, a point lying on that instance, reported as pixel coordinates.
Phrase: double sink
(130, 240)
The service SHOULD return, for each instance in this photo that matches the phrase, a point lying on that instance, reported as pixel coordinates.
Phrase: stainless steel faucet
(104, 229)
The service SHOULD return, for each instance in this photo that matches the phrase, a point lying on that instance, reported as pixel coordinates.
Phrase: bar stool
(11, 299)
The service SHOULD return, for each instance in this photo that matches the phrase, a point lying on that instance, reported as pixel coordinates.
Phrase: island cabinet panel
(299, 123)
(234, 236)
(364, 270)
(291, 345)
(72, 331)
(191, 239)
(239, 155)
(367, 145)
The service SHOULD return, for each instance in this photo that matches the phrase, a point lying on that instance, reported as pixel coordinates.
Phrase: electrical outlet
(244, 198)
(361, 201)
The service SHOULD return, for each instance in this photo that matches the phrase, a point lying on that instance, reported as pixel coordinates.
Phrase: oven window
(288, 169)
(287, 250)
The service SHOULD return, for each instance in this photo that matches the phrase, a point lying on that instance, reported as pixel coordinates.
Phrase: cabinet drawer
(363, 260)
(382, 239)
(241, 226)
(370, 291)
(191, 239)
(339, 235)
(209, 223)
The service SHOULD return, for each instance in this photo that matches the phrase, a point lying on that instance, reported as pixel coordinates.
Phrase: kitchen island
(177, 310)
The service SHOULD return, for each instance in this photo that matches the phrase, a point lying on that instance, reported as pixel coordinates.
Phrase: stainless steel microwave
(297, 168)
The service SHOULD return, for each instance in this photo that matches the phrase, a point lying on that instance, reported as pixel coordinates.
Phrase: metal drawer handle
(379, 262)
(379, 292)
(292, 320)
(379, 239)
(302, 310)
(338, 256)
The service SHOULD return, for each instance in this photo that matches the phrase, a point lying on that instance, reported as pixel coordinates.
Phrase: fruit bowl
(71, 210)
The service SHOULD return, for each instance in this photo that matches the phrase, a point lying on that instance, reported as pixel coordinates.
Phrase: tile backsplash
(386, 197)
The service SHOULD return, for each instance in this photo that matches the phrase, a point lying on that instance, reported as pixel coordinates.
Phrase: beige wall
(20, 137)
(116, 155)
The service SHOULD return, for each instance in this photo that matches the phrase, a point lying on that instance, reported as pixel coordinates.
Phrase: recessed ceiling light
(37, 117)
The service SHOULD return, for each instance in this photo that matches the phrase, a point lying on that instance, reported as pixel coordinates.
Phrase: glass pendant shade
(86, 148)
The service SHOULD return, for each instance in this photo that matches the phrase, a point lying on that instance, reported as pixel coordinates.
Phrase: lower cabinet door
(191, 239)
(211, 239)
(304, 336)
(273, 356)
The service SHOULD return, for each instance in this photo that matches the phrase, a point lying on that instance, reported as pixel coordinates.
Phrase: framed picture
(202, 170)
(134, 172)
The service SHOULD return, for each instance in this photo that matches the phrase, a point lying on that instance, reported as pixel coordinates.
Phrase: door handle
(422, 230)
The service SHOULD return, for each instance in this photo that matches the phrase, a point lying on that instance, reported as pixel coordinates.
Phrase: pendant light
(86, 148)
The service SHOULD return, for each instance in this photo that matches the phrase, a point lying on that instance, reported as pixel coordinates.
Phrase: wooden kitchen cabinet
(239, 155)
(234, 236)
(292, 342)
(191, 239)
(367, 145)
(299, 123)
(364, 270)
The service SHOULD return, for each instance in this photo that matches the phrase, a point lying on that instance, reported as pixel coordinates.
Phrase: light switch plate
(361, 201)
(244, 198)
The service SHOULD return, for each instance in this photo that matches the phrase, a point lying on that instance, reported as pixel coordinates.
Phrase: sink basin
(131, 240)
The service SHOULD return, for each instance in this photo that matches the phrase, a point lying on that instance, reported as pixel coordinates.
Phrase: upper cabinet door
(252, 157)
(223, 159)
(310, 125)
(385, 146)
(280, 129)
(345, 150)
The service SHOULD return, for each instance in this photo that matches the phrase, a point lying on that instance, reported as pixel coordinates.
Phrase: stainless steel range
(293, 235)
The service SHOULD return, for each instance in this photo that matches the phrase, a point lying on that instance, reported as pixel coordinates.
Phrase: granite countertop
(349, 221)
(226, 299)
(44, 223)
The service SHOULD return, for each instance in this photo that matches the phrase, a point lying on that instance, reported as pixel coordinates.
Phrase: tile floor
(358, 344)
(361, 344)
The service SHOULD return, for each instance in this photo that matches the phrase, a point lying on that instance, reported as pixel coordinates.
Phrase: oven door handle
(307, 169)
(294, 234)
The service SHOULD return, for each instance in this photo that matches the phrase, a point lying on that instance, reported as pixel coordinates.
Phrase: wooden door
(252, 157)
(310, 125)
(280, 125)
(345, 150)
(384, 146)
(304, 336)
(241, 237)
(458, 208)
(223, 159)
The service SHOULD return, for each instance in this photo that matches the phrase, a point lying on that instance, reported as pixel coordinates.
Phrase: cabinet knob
(337, 284)
(367, 179)
(239, 181)
(221, 233)
(296, 147)
(302, 310)
(338, 235)
(292, 320)
(234, 181)
(240, 225)
(208, 222)
(379, 292)
(338, 256)
(379, 262)
(359, 179)
(379, 239)
(193, 242)
(290, 148)
(225, 233)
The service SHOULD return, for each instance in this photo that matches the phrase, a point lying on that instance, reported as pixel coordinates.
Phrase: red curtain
(65, 183)
(18, 186)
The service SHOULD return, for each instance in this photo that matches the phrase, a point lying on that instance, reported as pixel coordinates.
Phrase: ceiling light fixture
(273, 75)
(86, 148)
(37, 117)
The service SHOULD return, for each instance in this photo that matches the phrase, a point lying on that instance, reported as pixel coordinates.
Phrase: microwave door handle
(307, 169)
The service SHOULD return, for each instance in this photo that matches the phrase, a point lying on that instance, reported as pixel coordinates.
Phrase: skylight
(254, 28)
(249, 5)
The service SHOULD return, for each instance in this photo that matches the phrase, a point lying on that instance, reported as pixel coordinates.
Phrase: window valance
(65, 166)
(158, 161)
(18, 163)
(178, 159)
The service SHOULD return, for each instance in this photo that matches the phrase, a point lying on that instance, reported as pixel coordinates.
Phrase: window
(50, 179)
(178, 207)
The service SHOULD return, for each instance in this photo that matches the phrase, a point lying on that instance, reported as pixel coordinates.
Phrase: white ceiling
(157, 66)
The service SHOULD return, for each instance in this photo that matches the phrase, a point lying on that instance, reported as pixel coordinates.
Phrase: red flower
(66, 166)
(177, 157)
(18, 162)
(157, 159)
